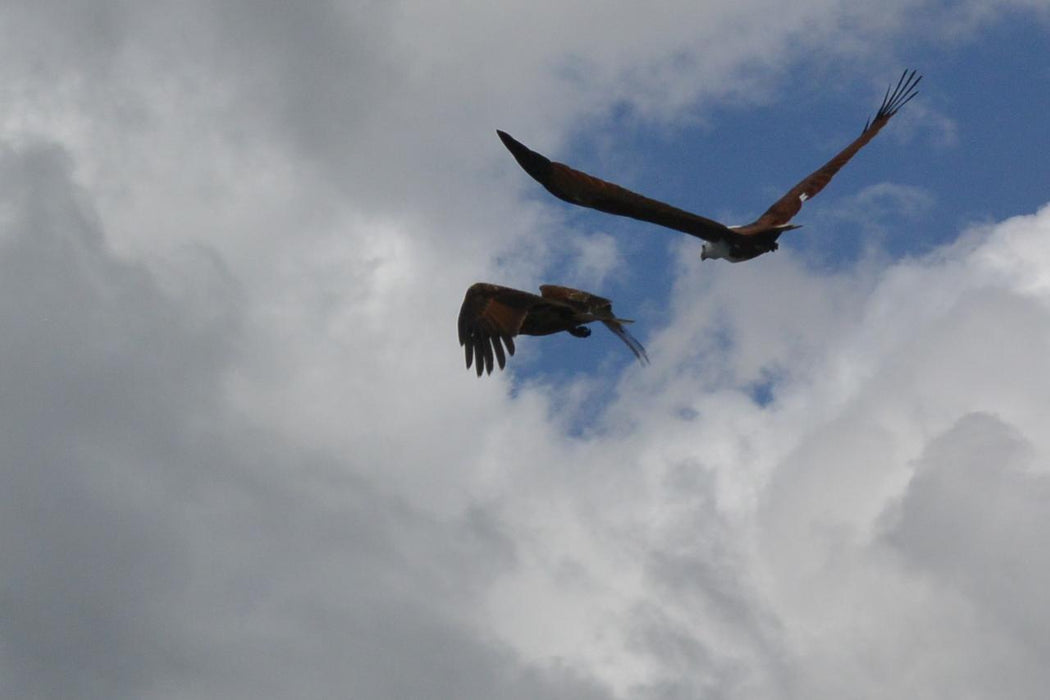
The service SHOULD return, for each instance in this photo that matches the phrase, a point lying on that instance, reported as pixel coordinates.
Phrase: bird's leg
(580, 331)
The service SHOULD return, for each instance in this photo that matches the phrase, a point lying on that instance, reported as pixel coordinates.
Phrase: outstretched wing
(600, 309)
(787, 206)
(489, 319)
(577, 187)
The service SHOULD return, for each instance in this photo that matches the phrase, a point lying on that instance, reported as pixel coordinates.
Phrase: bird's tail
(629, 340)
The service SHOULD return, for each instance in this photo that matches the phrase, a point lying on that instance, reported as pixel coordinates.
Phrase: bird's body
(492, 315)
(733, 243)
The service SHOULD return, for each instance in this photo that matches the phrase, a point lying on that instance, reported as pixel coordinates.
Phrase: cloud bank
(241, 457)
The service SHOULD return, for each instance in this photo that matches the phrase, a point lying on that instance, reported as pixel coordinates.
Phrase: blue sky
(241, 456)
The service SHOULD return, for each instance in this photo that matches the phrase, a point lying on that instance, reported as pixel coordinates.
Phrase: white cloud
(157, 544)
(242, 459)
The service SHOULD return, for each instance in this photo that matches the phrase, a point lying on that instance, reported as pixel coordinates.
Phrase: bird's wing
(601, 309)
(489, 319)
(616, 326)
(577, 187)
(787, 206)
(576, 298)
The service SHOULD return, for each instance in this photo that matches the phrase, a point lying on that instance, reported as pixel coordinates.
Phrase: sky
(241, 456)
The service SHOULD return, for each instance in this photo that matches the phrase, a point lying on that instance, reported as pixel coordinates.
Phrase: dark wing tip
(512, 144)
(489, 318)
(472, 336)
(488, 351)
(501, 358)
(896, 97)
(535, 164)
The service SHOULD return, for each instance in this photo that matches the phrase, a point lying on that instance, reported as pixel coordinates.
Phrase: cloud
(971, 518)
(103, 379)
(241, 457)
(157, 544)
(787, 545)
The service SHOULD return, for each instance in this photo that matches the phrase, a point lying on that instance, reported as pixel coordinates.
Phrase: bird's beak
(703, 255)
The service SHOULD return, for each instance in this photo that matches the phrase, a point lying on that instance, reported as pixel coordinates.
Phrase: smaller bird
(492, 315)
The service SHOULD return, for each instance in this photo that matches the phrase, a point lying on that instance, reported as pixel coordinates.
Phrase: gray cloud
(102, 380)
(240, 458)
(157, 546)
(973, 517)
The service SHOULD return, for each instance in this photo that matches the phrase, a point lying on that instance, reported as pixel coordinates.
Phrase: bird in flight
(733, 243)
(492, 315)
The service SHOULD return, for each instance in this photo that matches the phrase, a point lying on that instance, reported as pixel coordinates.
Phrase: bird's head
(715, 250)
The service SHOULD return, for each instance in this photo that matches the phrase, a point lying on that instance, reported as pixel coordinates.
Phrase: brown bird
(734, 243)
(492, 315)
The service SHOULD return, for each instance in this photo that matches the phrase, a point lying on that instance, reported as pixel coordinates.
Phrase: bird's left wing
(490, 317)
(787, 206)
(577, 187)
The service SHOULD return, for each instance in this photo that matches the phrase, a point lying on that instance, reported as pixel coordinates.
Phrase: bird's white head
(715, 250)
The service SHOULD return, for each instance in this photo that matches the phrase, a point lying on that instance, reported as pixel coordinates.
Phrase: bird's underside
(733, 243)
(491, 316)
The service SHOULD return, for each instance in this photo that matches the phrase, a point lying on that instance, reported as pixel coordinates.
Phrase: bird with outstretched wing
(733, 243)
(491, 316)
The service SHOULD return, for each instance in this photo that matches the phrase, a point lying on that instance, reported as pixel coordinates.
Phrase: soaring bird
(734, 243)
(492, 315)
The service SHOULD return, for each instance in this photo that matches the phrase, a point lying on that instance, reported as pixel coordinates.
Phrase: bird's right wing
(577, 187)
(787, 206)
(489, 319)
(601, 309)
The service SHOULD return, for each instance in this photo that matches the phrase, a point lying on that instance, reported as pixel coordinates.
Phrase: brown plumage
(492, 315)
(734, 243)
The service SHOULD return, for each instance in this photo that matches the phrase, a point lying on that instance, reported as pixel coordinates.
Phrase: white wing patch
(803, 197)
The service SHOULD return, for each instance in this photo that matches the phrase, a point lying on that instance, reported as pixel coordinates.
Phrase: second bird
(492, 315)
